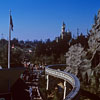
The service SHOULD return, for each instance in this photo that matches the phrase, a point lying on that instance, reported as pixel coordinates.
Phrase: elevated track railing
(67, 77)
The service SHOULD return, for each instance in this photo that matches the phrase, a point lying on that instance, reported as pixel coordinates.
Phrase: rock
(86, 64)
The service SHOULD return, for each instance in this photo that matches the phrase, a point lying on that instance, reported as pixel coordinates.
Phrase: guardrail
(67, 77)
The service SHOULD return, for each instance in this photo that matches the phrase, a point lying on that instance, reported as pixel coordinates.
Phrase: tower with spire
(65, 34)
(63, 27)
(63, 30)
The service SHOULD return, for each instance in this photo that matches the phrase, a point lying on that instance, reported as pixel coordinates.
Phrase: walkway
(31, 79)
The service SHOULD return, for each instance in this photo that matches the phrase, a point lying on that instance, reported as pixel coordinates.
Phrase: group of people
(34, 66)
(31, 79)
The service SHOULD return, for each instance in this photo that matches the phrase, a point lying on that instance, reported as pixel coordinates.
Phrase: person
(0, 67)
(30, 92)
(36, 93)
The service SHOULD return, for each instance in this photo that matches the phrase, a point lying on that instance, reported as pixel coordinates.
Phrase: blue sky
(42, 19)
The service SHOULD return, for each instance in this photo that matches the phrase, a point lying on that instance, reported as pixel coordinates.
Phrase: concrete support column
(64, 90)
(47, 82)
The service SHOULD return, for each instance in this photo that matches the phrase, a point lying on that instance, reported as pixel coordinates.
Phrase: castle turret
(63, 30)
(63, 27)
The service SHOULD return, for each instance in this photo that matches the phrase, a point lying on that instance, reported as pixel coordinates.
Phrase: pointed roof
(63, 23)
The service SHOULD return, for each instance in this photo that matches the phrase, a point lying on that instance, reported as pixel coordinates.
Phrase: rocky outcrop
(73, 58)
(77, 63)
(94, 39)
(86, 64)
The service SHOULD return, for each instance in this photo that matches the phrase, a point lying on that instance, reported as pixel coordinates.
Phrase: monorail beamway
(67, 77)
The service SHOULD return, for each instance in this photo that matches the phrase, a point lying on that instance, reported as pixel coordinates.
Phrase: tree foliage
(47, 52)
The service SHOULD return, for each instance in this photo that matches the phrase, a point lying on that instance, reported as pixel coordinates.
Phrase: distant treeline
(41, 52)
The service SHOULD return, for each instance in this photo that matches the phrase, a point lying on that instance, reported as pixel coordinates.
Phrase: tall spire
(63, 30)
(63, 27)
(77, 32)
